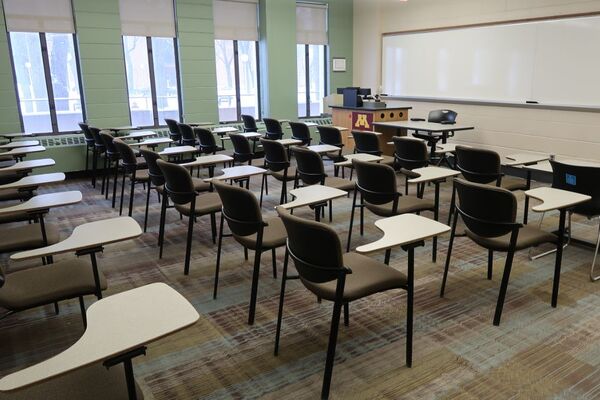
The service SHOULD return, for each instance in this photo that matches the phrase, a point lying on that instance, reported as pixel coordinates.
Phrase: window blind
(154, 18)
(311, 23)
(236, 19)
(54, 16)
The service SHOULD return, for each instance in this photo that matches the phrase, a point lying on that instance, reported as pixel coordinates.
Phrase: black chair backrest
(85, 129)
(154, 171)
(376, 182)
(97, 138)
(249, 123)
(330, 135)
(276, 158)
(206, 139)
(442, 116)
(309, 166)
(478, 165)
(127, 154)
(108, 139)
(410, 153)
(273, 126)
(240, 209)
(187, 135)
(486, 210)
(300, 131)
(366, 142)
(178, 182)
(314, 247)
(581, 179)
(242, 152)
(173, 127)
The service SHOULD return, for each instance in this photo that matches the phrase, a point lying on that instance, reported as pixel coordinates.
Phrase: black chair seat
(339, 183)
(335, 156)
(27, 237)
(45, 284)
(206, 204)
(16, 194)
(274, 235)
(406, 204)
(512, 184)
(387, 160)
(368, 276)
(199, 186)
(291, 174)
(528, 237)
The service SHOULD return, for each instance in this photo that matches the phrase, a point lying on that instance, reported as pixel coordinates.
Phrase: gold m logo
(362, 121)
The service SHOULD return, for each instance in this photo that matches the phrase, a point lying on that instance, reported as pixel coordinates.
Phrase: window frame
(48, 80)
(236, 71)
(307, 76)
(152, 77)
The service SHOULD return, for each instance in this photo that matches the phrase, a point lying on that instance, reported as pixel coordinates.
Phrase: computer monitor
(341, 90)
(351, 98)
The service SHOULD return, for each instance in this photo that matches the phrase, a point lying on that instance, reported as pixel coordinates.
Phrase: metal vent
(62, 141)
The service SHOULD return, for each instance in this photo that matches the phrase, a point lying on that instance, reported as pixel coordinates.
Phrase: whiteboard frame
(582, 108)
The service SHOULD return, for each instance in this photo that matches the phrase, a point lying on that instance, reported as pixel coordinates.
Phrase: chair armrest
(409, 173)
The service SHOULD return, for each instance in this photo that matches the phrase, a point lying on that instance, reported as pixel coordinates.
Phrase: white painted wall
(504, 129)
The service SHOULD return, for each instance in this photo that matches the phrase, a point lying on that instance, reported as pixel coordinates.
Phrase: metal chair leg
(254, 290)
(122, 194)
(450, 244)
(83, 314)
(351, 221)
(592, 276)
(335, 323)
(281, 296)
(115, 179)
(505, 278)
(161, 229)
(346, 314)
(490, 264)
(218, 266)
(147, 205)
(535, 257)
(274, 257)
(188, 246)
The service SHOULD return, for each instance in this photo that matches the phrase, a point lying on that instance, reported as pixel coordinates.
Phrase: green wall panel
(9, 112)
(102, 65)
(197, 60)
(278, 52)
(340, 41)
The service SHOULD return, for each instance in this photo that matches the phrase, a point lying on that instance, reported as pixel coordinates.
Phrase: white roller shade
(39, 16)
(236, 19)
(311, 23)
(147, 18)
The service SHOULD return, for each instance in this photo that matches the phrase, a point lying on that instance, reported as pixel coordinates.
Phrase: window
(45, 63)
(311, 57)
(237, 79)
(151, 79)
(312, 79)
(149, 47)
(236, 56)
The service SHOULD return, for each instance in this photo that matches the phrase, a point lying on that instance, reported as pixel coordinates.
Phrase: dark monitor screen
(364, 91)
(341, 90)
(351, 98)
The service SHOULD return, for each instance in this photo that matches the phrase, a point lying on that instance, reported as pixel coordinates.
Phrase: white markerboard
(554, 62)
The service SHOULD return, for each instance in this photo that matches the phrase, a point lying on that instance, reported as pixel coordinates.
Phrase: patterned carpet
(537, 351)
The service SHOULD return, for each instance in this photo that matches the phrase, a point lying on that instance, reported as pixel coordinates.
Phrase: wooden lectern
(362, 118)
